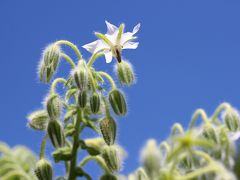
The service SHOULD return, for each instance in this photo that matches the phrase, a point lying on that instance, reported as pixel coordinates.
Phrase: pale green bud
(56, 133)
(210, 133)
(125, 73)
(43, 170)
(108, 177)
(49, 62)
(82, 99)
(62, 154)
(111, 157)
(38, 120)
(54, 106)
(108, 129)
(95, 102)
(118, 103)
(151, 157)
(94, 146)
(80, 75)
(232, 120)
(141, 174)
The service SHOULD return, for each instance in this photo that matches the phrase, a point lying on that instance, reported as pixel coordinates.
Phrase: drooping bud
(94, 146)
(49, 62)
(232, 120)
(54, 106)
(108, 129)
(125, 73)
(151, 157)
(111, 157)
(95, 102)
(108, 177)
(43, 170)
(80, 75)
(62, 154)
(118, 103)
(56, 133)
(210, 134)
(141, 174)
(38, 120)
(82, 99)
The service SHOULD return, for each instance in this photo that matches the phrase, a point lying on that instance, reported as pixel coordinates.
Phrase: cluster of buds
(206, 151)
(85, 103)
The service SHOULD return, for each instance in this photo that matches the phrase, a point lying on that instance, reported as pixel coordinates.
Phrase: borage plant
(85, 103)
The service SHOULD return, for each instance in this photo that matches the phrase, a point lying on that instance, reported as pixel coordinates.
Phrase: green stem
(55, 82)
(73, 46)
(104, 38)
(43, 145)
(73, 162)
(109, 78)
(98, 159)
(93, 58)
(197, 113)
(68, 59)
(91, 79)
(164, 145)
(177, 127)
(220, 108)
(107, 111)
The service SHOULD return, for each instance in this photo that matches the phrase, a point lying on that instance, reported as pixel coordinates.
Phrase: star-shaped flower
(112, 43)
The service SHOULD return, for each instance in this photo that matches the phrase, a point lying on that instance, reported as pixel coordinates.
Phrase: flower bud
(94, 146)
(38, 120)
(54, 106)
(80, 75)
(56, 133)
(125, 73)
(210, 134)
(117, 102)
(108, 177)
(62, 154)
(108, 129)
(95, 103)
(111, 158)
(43, 170)
(232, 120)
(49, 62)
(82, 99)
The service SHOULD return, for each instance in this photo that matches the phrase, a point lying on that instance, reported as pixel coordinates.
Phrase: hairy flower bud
(111, 157)
(80, 75)
(56, 133)
(210, 134)
(38, 120)
(62, 154)
(49, 62)
(125, 73)
(94, 145)
(118, 103)
(54, 106)
(232, 120)
(108, 129)
(43, 170)
(108, 177)
(95, 102)
(82, 99)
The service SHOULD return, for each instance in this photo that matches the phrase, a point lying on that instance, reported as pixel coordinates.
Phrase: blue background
(189, 57)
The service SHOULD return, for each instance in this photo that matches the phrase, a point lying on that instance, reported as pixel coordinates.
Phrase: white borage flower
(112, 43)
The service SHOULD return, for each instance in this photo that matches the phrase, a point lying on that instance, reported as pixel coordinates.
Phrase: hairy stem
(93, 58)
(55, 82)
(68, 59)
(43, 145)
(73, 46)
(72, 173)
(109, 78)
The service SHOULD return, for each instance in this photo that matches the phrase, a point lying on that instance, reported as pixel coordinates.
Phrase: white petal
(91, 46)
(130, 45)
(108, 56)
(234, 136)
(110, 28)
(136, 28)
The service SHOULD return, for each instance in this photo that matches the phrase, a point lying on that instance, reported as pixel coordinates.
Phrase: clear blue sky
(189, 57)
